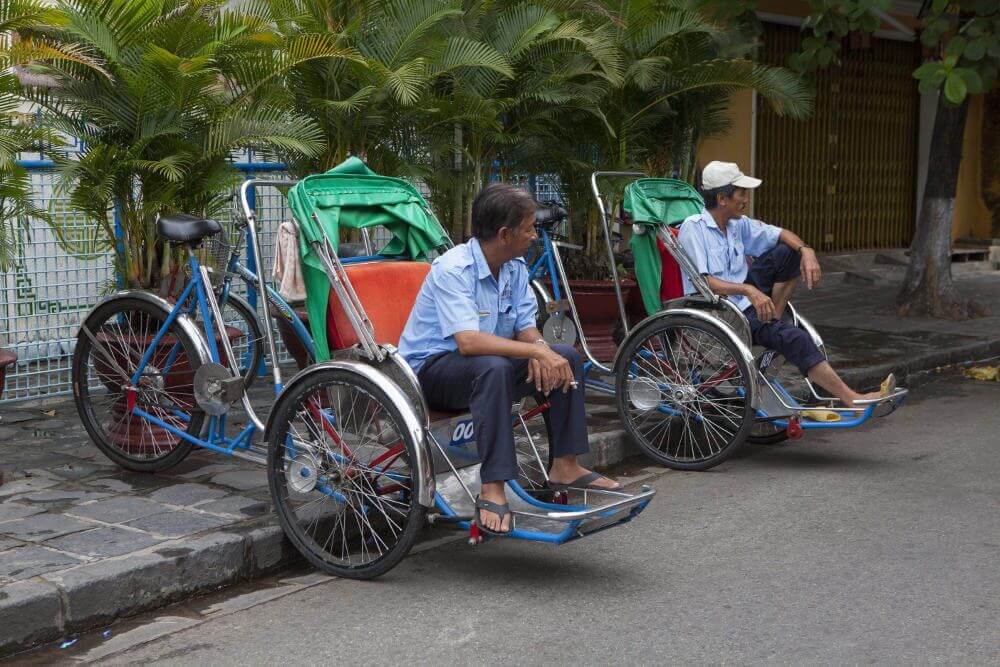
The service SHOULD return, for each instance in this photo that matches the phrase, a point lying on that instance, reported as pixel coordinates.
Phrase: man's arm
(547, 369)
(761, 302)
(808, 264)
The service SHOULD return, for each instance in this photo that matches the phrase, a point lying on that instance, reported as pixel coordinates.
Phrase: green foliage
(17, 132)
(963, 34)
(448, 91)
(162, 92)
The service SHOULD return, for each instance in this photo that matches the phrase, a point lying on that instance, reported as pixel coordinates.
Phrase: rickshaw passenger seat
(387, 290)
(671, 285)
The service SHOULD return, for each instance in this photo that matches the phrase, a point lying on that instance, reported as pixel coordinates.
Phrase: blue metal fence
(58, 278)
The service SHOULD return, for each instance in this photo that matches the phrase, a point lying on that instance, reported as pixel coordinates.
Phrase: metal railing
(58, 277)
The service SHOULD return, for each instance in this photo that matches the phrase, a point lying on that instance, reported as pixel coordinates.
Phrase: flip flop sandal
(498, 509)
(888, 385)
(584, 482)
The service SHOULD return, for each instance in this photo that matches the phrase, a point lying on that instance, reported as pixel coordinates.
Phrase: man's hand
(761, 303)
(809, 267)
(549, 370)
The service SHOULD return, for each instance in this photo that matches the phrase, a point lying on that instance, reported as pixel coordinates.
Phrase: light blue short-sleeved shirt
(724, 255)
(461, 294)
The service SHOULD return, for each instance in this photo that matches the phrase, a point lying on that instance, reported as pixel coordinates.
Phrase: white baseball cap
(720, 174)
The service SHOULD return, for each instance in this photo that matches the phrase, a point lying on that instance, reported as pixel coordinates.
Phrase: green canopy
(652, 202)
(352, 196)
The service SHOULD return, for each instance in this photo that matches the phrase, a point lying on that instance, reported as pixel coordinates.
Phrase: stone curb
(51, 606)
(909, 371)
(61, 604)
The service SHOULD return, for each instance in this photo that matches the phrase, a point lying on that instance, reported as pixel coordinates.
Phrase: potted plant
(161, 95)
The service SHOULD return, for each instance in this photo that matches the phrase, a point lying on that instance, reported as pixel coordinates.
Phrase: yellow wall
(735, 146)
(972, 218)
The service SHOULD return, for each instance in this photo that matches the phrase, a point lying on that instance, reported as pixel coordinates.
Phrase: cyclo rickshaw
(688, 385)
(356, 461)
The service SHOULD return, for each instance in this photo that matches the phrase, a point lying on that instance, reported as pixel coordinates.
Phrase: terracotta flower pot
(597, 306)
(7, 361)
(133, 434)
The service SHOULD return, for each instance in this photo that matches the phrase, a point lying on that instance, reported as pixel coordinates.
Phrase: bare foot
(872, 395)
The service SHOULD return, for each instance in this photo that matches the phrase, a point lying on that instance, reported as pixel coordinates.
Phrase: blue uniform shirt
(724, 255)
(461, 294)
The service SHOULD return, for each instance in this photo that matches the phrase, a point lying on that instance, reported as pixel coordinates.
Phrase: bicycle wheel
(248, 346)
(682, 391)
(339, 472)
(124, 330)
(531, 445)
(542, 297)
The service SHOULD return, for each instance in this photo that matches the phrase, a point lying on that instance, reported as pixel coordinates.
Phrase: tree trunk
(928, 288)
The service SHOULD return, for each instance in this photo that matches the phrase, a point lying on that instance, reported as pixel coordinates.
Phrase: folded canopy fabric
(352, 196)
(651, 202)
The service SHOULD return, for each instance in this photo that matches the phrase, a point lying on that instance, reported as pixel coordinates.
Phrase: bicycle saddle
(549, 215)
(184, 228)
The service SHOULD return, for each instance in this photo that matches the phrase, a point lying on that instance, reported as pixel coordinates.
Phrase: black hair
(499, 205)
(711, 196)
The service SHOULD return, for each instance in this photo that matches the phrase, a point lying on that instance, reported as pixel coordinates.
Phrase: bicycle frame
(199, 295)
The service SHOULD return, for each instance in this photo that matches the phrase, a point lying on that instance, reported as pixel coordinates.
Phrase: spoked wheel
(531, 445)
(245, 334)
(339, 469)
(248, 346)
(112, 341)
(682, 389)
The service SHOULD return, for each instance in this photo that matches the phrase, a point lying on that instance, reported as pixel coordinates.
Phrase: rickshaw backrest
(671, 284)
(387, 290)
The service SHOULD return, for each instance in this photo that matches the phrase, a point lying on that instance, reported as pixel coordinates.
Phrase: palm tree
(163, 93)
(376, 106)
(560, 67)
(18, 134)
(679, 69)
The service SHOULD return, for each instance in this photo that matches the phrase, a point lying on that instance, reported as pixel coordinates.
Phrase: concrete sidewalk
(83, 543)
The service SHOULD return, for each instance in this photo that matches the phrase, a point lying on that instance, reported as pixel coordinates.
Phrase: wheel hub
(303, 473)
(644, 394)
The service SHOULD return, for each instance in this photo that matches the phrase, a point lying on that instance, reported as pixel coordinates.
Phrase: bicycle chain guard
(215, 389)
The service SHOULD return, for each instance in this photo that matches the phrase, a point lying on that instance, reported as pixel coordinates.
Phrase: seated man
(472, 341)
(718, 241)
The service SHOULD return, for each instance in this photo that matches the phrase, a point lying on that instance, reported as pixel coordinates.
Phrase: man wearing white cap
(718, 241)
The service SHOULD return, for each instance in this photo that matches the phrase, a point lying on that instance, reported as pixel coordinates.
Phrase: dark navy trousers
(487, 386)
(778, 265)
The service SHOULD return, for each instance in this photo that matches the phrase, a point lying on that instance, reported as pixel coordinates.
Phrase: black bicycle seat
(549, 215)
(184, 228)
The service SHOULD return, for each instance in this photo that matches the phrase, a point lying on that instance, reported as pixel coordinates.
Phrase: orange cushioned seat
(387, 290)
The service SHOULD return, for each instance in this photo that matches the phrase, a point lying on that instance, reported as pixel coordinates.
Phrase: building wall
(972, 217)
(737, 146)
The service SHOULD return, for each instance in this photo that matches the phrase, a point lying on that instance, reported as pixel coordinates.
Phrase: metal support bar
(246, 188)
(572, 306)
(355, 312)
(227, 346)
(606, 228)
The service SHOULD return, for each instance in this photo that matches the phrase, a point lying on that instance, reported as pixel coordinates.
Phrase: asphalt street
(874, 545)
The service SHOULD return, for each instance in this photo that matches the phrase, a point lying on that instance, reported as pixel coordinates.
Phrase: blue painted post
(251, 256)
(119, 246)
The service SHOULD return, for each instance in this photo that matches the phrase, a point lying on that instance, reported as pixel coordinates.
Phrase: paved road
(880, 544)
